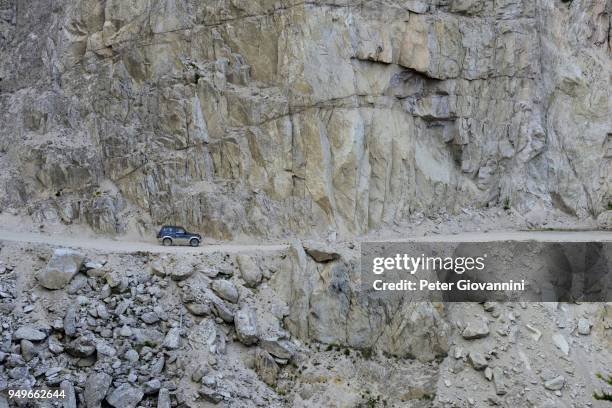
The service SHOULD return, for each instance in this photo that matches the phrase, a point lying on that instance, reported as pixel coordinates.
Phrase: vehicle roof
(172, 226)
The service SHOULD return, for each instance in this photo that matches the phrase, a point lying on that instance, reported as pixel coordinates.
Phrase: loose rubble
(145, 339)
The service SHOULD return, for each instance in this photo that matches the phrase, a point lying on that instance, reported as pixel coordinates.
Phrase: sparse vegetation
(604, 396)
(507, 203)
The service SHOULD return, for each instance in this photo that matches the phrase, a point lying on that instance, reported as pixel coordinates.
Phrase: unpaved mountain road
(118, 245)
(124, 245)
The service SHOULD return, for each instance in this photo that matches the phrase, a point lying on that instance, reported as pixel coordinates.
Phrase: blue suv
(171, 235)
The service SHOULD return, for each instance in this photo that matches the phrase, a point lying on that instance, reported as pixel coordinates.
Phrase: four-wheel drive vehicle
(173, 235)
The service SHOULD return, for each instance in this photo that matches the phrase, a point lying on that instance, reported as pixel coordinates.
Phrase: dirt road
(76, 240)
(120, 245)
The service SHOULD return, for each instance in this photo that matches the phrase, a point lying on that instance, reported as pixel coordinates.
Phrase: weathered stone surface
(280, 348)
(173, 338)
(319, 252)
(163, 398)
(554, 384)
(96, 387)
(29, 333)
(478, 360)
(125, 396)
(324, 307)
(561, 343)
(249, 270)
(60, 270)
(584, 326)
(499, 381)
(475, 329)
(226, 290)
(604, 220)
(266, 367)
(69, 400)
(435, 105)
(245, 322)
(83, 346)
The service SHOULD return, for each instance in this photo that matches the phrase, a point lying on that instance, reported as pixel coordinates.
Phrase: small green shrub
(603, 396)
(507, 203)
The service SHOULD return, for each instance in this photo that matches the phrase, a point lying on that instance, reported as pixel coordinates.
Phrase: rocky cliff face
(264, 118)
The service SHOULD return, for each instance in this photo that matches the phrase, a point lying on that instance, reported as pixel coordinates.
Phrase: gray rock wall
(265, 118)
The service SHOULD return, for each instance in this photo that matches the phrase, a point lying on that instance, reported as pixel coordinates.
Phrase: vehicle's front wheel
(194, 242)
(167, 242)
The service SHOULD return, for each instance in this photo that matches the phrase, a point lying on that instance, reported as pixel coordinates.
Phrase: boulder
(249, 270)
(69, 400)
(280, 348)
(125, 396)
(62, 267)
(29, 333)
(173, 338)
(226, 290)
(245, 322)
(478, 360)
(554, 384)
(499, 381)
(561, 343)
(266, 367)
(163, 398)
(319, 252)
(83, 346)
(475, 329)
(96, 387)
(584, 326)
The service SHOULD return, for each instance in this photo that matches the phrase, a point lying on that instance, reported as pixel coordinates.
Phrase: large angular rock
(475, 329)
(280, 348)
(62, 267)
(173, 338)
(320, 252)
(29, 333)
(266, 367)
(249, 270)
(226, 290)
(83, 346)
(96, 387)
(209, 334)
(163, 398)
(125, 396)
(69, 399)
(245, 322)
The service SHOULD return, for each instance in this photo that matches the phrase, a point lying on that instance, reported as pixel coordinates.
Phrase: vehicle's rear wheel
(167, 242)
(194, 242)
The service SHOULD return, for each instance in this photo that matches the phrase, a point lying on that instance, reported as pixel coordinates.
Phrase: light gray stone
(475, 329)
(225, 290)
(249, 270)
(561, 343)
(554, 384)
(62, 267)
(478, 360)
(29, 333)
(96, 387)
(584, 326)
(245, 322)
(163, 398)
(173, 338)
(125, 396)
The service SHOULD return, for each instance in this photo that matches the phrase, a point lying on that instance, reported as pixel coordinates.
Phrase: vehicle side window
(180, 231)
